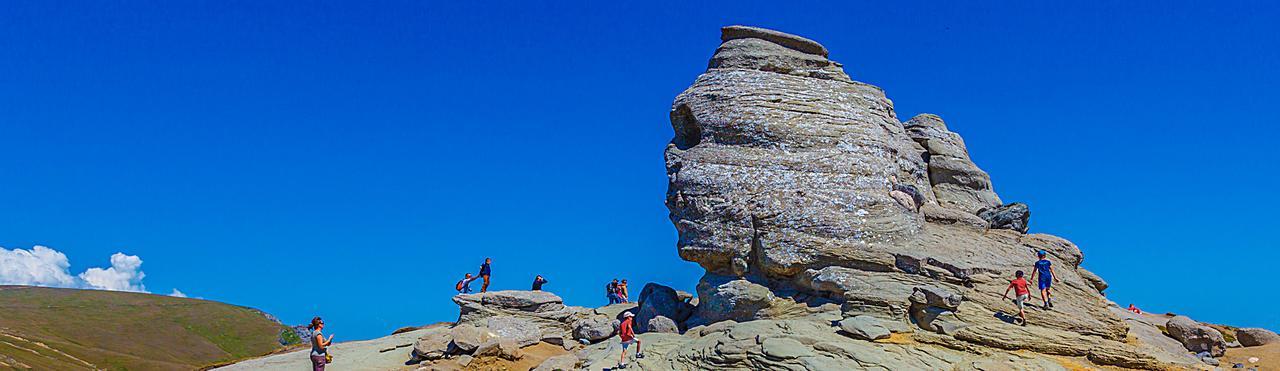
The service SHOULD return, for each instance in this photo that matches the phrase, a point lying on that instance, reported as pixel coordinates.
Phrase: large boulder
(1252, 336)
(662, 324)
(1196, 337)
(660, 301)
(434, 345)
(1014, 216)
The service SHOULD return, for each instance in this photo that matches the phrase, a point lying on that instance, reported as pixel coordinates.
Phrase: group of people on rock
(1047, 277)
(616, 292)
(464, 286)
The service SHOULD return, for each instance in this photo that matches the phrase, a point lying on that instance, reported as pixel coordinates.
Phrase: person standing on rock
(319, 345)
(1019, 287)
(484, 273)
(627, 334)
(622, 292)
(537, 282)
(1047, 277)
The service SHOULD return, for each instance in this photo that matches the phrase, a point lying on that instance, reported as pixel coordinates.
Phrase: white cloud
(42, 266)
(178, 294)
(123, 275)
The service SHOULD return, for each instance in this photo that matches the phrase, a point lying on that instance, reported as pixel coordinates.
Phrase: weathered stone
(1196, 336)
(563, 362)
(662, 324)
(864, 327)
(784, 348)
(1093, 279)
(935, 297)
(468, 337)
(957, 182)
(723, 298)
(499, 347)
(1252, 336)
(593, 328)
(1015, 216)
(522, 331)
(660, 301)
(434, 345)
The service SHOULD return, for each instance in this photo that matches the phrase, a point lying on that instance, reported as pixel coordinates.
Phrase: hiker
(319, 345)
(611, 292)
(1047, 277)
(622, 292)
(628, 336)
(537, 282)
(464, 286)
(1020, 290)
(1134, 309)
(484, 273)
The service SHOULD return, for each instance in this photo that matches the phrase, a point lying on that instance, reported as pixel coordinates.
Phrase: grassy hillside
(66, 329)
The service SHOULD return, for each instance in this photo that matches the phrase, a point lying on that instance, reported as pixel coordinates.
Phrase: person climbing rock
(622, 292)
(1021, 292)
(537, 282)
(320, 345)
(484, 273)
(1133, 309)
(627, 334)
(611, 292)
(464, 286)
(1044, 268)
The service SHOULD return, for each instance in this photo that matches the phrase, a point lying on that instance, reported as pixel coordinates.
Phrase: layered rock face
(787, 176)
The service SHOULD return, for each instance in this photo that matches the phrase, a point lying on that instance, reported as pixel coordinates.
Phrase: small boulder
(499, 347)
(934, 296)
(662, 324)
(1014, 216)
(1196, 336)
(938, 320)
(784, 348)
(467, 337)
(593, 328)
(864, 327)
(563, 362)
(1252, 337)
(431, 346)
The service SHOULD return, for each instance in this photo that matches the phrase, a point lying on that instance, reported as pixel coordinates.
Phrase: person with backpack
(464, 286)
(538, 282)
(611, 292)
(484, 273)
(1021, 292)
(1047, 278)
(627, 334)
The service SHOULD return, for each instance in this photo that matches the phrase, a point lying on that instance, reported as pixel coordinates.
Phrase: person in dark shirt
(611, 292)
(1044, 268)
(537, 282)
(484, 273)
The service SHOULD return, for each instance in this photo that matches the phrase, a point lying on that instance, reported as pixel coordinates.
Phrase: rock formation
(795, 186)
(834, 236)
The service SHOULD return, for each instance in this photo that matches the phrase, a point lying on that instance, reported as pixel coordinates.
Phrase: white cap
(628, 314)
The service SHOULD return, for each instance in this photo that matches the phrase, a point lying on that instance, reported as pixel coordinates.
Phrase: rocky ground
(834, 237)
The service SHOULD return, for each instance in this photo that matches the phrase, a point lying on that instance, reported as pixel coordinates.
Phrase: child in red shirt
(628, 336)
(1019, 287)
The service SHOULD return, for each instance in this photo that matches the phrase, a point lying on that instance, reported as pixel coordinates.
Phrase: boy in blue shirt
(1047, 277)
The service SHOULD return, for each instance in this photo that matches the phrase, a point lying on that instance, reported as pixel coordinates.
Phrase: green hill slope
(67, 329)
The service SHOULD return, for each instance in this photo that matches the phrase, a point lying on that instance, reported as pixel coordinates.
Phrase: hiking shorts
(1045, 282)
(628, 343)
(1021, 301)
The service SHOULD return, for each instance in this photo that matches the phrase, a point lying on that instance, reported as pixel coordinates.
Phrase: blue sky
(353, 160)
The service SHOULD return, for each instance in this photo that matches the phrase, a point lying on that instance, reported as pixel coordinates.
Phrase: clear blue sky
(353, 160)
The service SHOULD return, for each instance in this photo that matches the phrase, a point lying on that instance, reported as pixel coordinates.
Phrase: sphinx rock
(795, 186)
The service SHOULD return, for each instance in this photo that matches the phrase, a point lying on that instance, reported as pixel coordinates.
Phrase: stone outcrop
(660, 301)
(795, 186)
